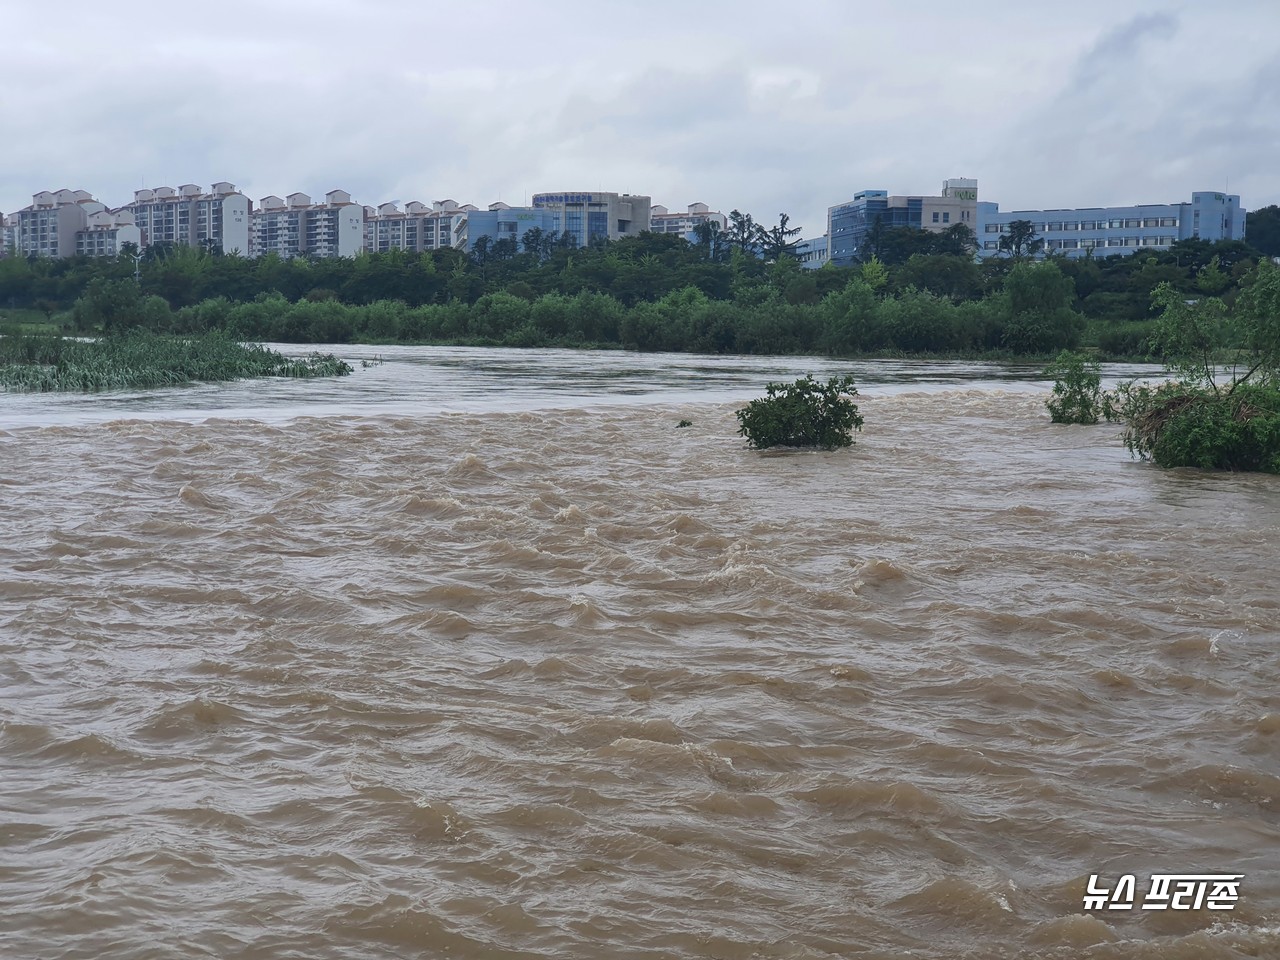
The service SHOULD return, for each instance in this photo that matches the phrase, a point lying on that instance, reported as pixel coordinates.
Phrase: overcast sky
(762, 106)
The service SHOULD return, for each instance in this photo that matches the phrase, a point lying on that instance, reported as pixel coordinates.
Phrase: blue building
(849, 224)
(812, 254)
(597, 215)
(1116, 231)
(504, 222)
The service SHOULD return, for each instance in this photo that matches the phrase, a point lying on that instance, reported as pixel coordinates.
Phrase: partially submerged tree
(802, 414)
(1224, 411)
(1077, 389)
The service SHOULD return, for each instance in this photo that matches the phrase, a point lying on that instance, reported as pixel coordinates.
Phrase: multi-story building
(418, 227)
(812, 254)
(662, 221)
(8, 235)
(1112, 231)
(106, 234)
(848, 224)
(216, 220)
(296, 227)
(591, 216)
(505, 222)
(48, 227)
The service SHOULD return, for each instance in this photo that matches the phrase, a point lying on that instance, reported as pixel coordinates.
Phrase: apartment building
(217, 220)
(106, 233)
(418, 227)
(48, 227)
(662, 220)
(297, 227)
(1117, 231)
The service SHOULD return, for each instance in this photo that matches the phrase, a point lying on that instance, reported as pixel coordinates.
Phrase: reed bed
(138, 360)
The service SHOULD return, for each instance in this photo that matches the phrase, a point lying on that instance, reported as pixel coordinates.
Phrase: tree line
(737, 290)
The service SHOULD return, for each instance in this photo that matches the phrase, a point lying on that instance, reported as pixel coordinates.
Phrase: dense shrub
(1126, 339)
(1175, 425)
(802, 414)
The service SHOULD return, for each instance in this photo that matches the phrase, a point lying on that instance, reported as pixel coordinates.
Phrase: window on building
(990, 244)
(935, 216)
(991, 228)
(946, 216)
(1131, 223)
(1055, 226)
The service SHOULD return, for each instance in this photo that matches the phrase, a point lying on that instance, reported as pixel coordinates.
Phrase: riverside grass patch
(139, 360)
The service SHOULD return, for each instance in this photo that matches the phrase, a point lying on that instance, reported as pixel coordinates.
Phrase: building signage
(541, 199)
(965, 194)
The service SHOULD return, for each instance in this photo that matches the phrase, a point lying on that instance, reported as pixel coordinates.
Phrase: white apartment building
(297, 227)
(107, 232)
(215, 220)
(418, 227)
(662, 221)
(48, 227)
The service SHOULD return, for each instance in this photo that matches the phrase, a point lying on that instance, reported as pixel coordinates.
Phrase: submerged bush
(1176, 425)
(802, 414)
(1077, 389)
(1199, 421)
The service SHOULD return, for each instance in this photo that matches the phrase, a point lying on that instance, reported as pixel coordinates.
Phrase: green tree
(107, 305)
(778, 242)
(1020, 240)
(1041, 318)
(1191, 335)
(873, 273)
(1256, 318)
(744, 233)
(710, 241)
(1211, 280)
(1077, 389)
(1262, 227)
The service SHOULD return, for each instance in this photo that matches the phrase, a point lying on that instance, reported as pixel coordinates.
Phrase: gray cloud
(735, 104)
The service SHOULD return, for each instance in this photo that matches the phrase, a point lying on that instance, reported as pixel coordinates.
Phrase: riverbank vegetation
(139, 359)
(733, 292)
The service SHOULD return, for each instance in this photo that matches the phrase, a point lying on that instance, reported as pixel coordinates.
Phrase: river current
(476, 654)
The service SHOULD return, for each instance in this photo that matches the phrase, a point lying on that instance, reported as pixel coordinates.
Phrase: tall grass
(139, 360)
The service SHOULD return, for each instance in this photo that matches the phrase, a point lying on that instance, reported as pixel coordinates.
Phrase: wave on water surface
(578, 684)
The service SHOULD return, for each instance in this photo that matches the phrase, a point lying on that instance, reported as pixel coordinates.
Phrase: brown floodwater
(576, 683)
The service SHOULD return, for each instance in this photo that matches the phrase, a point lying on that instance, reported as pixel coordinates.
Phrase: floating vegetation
(139, 360)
